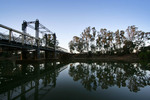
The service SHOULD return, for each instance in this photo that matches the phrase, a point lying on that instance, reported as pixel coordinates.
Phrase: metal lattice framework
(24, 38)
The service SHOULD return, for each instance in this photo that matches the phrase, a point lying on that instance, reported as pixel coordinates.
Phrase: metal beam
(26, 34)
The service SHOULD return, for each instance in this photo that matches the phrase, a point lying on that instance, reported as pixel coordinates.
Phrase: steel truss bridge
(15, 39)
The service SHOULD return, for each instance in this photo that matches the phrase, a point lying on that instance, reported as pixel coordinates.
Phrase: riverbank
(128, 57)
(83, 57)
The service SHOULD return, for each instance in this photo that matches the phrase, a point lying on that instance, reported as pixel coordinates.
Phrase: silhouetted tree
(107, 42)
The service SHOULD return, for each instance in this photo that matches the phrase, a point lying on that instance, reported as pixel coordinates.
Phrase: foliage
(108, 42)
(144, 55)
(128, 47)
(50, 40)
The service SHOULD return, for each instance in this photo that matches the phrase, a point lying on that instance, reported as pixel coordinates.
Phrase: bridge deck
(25, 41)
(19, 46)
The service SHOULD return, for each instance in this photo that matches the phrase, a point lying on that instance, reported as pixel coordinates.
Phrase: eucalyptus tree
(139, 40)
(128, 47)
(88, 38)
(49, 40)
(93, 45)
(80, 46)
(71, 46)
(104, 40)
(136, 37)
(99, 42)
(117, 39)
(122, 37)
(122, 40)
(131, 31)
(110, 41)
(147, 36)
(76, 41)
(85, 41)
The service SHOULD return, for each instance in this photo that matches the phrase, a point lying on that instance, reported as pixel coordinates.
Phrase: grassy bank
(128, 57)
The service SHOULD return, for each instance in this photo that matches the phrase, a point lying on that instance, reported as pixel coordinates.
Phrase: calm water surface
(74, 81)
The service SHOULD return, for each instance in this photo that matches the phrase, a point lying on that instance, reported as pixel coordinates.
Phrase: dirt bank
(129, 57)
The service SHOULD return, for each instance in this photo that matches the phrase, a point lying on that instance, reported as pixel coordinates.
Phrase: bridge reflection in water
(28, 81)
(40, 81)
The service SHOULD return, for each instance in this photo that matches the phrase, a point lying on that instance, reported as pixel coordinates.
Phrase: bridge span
(43, 41)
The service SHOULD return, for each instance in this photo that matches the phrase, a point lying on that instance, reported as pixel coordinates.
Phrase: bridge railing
(2, 36)
(23, 38)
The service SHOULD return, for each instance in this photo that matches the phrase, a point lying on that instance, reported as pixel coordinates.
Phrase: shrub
(144, 55)
(89, 54)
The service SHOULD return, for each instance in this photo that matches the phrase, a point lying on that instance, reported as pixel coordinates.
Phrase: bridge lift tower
(39, 28)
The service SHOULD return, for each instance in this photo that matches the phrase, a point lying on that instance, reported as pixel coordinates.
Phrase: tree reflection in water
(105, 75)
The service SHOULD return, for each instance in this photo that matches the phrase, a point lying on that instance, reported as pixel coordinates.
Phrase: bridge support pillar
(46, 55)
(54, 55)
(50, 55)
(36, 54)
(24, 54)
(37, 36)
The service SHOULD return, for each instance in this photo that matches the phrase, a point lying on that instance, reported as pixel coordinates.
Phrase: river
(57, 80)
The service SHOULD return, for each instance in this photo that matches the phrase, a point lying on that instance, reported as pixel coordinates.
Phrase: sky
(68, 18)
